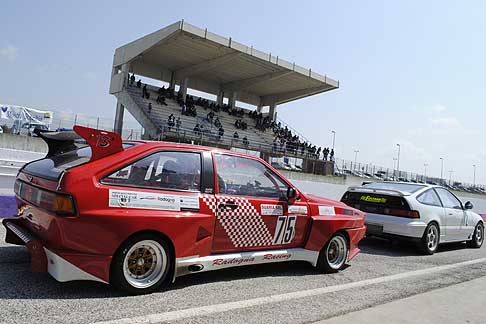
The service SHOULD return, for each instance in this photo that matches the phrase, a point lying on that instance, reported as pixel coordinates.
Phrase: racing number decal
(285, 230)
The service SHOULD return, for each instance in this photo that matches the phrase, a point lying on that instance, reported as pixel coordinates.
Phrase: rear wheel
(478, 237)
(142, 264)
(334, 255)
(430, 239)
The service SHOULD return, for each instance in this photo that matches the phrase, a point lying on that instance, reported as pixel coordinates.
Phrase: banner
(25, 114)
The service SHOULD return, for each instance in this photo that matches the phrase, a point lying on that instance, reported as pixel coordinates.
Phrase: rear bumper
(60, 265)
(386, 226)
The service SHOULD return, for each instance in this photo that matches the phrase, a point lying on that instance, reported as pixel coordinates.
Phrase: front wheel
(142, 264)
(478, 237)
(334, 255)
(430, 239)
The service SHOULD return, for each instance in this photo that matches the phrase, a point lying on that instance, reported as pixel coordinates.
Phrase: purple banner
(8, 206)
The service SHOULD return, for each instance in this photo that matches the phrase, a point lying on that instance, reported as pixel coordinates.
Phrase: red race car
(138, 214)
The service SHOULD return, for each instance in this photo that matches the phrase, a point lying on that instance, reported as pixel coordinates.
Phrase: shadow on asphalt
(396, 248)
(18, 282)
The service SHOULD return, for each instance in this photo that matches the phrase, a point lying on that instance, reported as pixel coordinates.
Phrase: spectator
(178, 124)
(144, 91)
(221, 132)
(210, 117)
(161, 100)
(197, 130)
(217, 122)
(139, 83)
(236, 136)
(150, 107)
(171, 121)
(331, 156)
(132, 79)
(245, 141)
(184, 109)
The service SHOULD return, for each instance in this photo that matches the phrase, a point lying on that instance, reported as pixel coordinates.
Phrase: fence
(371, 171)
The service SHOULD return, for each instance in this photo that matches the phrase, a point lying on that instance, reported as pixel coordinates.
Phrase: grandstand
(184, 57)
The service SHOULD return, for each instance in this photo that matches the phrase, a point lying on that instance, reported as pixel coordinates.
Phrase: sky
(410, 72)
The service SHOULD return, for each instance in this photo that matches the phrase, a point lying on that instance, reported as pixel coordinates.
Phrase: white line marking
(220, 308)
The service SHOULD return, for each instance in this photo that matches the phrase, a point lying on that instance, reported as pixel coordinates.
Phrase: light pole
(474, 176)
(355, 158)
(450, 176)
(398, 161)
(441, 169)
(425, 172)
(333, 138)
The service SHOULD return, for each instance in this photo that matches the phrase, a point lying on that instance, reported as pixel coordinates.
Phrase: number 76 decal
(285, 230)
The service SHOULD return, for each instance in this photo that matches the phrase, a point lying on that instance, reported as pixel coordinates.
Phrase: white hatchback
(426, 214)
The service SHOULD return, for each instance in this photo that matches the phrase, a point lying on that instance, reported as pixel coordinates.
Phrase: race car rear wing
(102, 143)
(379, 191)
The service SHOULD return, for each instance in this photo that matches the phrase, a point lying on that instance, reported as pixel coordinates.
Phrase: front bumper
(45, 259)
(384, 225)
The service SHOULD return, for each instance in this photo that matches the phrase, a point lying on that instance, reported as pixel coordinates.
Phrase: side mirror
(468, 205)
(291, 193)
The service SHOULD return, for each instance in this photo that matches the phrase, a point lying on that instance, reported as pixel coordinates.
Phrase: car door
(251, 208)
(455, 215)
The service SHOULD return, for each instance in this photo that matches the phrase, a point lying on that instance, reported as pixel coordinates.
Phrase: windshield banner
(25, 114)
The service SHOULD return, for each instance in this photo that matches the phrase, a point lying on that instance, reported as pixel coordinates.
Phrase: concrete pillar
(183, 89)
(172, 81)
(219, 99)
(232, 99)
(125, 68)
(259, 108)
(120, 109)
(273, 112)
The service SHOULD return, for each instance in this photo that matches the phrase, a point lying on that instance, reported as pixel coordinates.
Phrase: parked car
(280, 165)
(28, 129)
(425, 214)
(139, 214)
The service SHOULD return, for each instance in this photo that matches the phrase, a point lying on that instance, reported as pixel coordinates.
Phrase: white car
(426, 214)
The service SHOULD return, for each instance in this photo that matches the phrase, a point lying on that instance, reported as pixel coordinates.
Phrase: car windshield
(405, 187)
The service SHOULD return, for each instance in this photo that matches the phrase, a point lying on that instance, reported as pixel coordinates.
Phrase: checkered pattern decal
(244, 225)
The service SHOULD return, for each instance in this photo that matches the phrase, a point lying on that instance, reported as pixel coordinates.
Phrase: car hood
(324, 201)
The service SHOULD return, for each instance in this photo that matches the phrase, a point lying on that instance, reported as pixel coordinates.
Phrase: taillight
(58, 203)
(403, 213)
(345, 211)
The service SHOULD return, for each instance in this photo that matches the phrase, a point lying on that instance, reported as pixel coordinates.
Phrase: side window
(247, 177)
(448, 199)
(162, 170)
(429, 198)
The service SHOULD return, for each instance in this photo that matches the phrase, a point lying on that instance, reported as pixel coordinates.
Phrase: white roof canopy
(212, 63)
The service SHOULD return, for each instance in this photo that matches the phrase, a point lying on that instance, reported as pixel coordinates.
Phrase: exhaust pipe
(195, 267)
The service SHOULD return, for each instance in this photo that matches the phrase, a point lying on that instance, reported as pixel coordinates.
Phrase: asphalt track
(283, 293)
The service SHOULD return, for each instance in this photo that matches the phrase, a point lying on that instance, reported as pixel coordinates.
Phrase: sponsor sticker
(274, 210)
(326, 210)
(282, 257)
(233, 261)
(190, 202)
(372, 199)
(144, 200)
(298, 210)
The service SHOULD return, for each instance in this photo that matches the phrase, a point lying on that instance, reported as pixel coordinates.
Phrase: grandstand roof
(212, 62)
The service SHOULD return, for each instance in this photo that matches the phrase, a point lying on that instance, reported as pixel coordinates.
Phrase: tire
(478, 237)
(334, 255)
(430, 239)
(133, 268)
